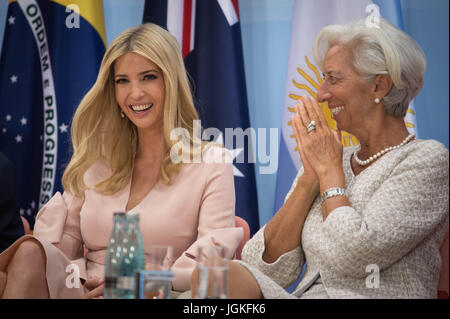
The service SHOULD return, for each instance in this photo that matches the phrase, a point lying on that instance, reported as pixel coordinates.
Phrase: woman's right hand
(95, 287)
(297, 125)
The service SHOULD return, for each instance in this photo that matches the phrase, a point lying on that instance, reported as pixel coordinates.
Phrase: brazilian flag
(50, 58)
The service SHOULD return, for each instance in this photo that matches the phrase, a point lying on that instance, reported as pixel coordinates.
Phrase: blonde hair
(98, 131)
(379, 50)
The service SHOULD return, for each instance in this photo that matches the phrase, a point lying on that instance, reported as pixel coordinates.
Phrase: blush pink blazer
(197, 209)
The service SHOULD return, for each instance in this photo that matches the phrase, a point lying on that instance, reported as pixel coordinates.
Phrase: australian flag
(209, 35)
(50, 58)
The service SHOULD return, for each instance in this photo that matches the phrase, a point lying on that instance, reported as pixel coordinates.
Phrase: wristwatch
(332, 192)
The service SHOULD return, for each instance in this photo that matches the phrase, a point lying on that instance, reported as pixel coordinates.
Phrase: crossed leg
(25, 276)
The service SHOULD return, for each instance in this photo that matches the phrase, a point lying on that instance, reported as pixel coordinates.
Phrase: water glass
(155, 281)
(211, 281)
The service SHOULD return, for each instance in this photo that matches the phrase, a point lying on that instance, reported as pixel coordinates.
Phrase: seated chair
(240, 222)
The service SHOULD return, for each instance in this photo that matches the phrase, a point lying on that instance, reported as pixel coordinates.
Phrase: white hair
(383, 50)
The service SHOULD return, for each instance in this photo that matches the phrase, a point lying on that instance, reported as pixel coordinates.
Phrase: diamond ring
(311, 126)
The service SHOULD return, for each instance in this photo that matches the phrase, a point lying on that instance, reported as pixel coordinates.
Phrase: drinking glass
(212, 269)
(155, 281)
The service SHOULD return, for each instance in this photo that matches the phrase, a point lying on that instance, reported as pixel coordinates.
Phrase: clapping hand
(320, 147)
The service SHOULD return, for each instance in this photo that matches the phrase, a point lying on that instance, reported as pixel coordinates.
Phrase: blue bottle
(133, 258)
(114, 254)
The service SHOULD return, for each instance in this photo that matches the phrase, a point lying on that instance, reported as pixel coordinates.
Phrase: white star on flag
(33, 204)
(12, 20)
(14, 78)
(23, 121)
(22, 211)
(63, 128)
(234, 153)
(18, 138)
(4, 130)
(8, 117)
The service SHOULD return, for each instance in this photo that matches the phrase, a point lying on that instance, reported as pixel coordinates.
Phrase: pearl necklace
(380, 153)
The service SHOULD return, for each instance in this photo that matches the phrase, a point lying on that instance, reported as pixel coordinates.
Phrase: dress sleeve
(58, 222)
(405, 209)
(216, 221)
(287, 267)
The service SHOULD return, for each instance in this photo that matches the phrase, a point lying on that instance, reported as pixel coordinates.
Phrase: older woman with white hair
(368, 221)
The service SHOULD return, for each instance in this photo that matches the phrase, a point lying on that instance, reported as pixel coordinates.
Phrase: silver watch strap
(332, 192)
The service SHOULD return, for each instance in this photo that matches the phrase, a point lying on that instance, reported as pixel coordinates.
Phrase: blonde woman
(122, 161)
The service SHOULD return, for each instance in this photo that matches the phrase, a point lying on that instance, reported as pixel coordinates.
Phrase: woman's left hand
(96, 287)
(322, 146)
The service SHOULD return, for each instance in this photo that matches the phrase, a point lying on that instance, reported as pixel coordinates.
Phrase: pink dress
(197, 209)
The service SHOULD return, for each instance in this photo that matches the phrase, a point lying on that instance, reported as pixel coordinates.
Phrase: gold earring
(122, 115)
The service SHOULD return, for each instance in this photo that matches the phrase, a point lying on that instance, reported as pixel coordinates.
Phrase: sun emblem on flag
(311, 88)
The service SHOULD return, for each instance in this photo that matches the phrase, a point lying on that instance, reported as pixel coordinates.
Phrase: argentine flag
(304, 77)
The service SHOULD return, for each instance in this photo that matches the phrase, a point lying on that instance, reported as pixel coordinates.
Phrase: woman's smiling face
(139, 89)
(347, 93)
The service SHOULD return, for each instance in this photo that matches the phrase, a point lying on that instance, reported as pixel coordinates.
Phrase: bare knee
(28, 258)
(26, 272)
(242, 284)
